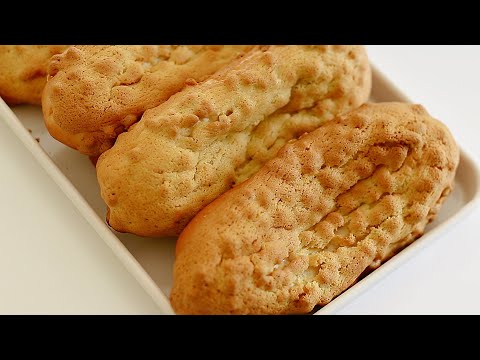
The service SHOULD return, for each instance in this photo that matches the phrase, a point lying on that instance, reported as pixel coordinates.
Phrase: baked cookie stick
(331, 205)
(95, 93)
(23, 72)
(207, 138)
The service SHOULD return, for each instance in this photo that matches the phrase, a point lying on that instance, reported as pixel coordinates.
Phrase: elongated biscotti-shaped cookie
(207, 138)
(331, 205)
(23, 72)
(95, 93)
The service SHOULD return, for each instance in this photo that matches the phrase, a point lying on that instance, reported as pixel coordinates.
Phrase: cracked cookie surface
(208, 137)
(96, 92)
(335, 203)
(23, 72)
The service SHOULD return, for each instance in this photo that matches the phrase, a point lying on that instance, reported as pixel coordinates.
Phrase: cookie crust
(23, 72)
(209, 137)
(337, 202)
(96, 92)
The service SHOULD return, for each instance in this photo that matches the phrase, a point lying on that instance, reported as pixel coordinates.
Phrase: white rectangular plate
(151, 260)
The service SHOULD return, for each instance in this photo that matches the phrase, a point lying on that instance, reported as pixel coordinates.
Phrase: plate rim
(147, 283)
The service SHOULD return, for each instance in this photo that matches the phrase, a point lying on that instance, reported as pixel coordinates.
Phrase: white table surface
(52, 262)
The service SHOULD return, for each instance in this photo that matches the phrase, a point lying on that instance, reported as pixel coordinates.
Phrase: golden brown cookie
(23, 72)
(95, 93)
(203, 140)
(331, 205)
